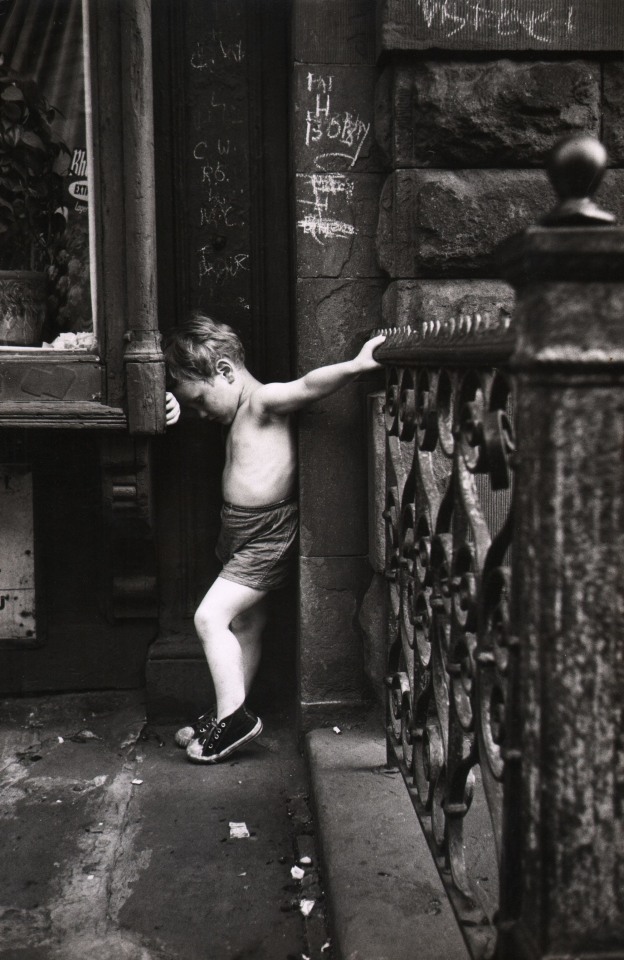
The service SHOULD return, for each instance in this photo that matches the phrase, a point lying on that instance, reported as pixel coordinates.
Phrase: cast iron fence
(505, 677)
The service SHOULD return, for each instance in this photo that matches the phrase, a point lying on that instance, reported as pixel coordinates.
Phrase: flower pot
(23, 296)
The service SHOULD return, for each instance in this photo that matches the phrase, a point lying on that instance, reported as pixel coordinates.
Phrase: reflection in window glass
(45, 295)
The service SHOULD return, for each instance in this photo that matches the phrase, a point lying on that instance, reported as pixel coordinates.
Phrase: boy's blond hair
(194, 348)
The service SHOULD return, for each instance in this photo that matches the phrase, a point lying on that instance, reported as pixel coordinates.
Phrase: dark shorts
(256, 544)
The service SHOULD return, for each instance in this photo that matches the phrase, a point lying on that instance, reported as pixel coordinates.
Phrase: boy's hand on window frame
(172, 409)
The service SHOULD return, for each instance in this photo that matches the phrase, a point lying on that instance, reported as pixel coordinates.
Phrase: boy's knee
(207, 618)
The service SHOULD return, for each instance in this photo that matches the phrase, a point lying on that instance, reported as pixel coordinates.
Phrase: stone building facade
(421, 134)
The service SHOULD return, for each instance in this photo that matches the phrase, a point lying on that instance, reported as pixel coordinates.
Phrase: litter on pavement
(238, 831)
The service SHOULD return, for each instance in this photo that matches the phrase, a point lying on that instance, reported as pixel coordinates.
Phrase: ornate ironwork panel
(448, 515)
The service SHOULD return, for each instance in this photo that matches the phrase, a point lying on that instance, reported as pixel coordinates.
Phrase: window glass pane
(44, 181)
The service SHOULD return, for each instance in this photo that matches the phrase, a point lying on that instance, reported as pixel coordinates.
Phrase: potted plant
(31, 205)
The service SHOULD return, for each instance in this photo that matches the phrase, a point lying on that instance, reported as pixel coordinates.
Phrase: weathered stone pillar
(562, 882)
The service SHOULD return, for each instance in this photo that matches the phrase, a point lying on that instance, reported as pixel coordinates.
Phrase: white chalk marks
(506, 18)
(206, 53)
(332, 133)
(218, 154)
(220, 269)
(319, 223)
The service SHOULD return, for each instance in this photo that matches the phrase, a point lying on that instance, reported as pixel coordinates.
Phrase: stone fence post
(562, 880)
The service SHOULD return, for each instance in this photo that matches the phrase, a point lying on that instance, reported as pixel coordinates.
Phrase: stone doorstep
(383, 890)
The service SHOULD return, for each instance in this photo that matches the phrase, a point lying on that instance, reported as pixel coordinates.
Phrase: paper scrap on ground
(337, 730)
(238, 831)
(306, 907)
(297, 873)
(137, 782)
(83, 736)
(305, 859)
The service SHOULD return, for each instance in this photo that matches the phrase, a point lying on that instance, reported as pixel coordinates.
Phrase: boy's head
(194, 349)
(203, 362)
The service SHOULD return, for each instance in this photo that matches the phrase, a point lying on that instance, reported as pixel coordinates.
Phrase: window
(46, 275)
(82, 70)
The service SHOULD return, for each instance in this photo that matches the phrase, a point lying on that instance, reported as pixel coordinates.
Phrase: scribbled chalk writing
(220, 269)
(318, 223)
(343, 129)
(322, 227)
(204, 54)
(217, 208)
(452, 17)
(232, 51)
(218, 211)
(213, 174)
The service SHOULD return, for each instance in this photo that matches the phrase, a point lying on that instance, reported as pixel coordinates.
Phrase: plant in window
(31, 204)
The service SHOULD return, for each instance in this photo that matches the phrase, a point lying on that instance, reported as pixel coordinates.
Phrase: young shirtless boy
(206, 365)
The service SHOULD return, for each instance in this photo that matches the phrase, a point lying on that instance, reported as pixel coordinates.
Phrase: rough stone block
(440, 223)
(333, 119)
(445, 223)
(336, 224)
(334, 318)
(613, 110)
(376, 480)
(484, 113)
(331, 655)
(500, 25)
(408, 301)
(333, 476)
(334, 31)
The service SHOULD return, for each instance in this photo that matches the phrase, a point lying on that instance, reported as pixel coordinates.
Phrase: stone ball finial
(576, 166)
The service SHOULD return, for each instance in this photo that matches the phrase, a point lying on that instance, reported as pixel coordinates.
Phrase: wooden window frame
(122, 386)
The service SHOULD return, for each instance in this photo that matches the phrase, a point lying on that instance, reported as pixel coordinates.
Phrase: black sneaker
(224, 736)
(185, 734)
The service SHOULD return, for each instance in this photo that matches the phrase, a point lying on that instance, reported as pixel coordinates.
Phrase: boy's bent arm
(284, 398)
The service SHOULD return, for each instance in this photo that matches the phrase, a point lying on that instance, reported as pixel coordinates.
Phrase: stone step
(384, 896)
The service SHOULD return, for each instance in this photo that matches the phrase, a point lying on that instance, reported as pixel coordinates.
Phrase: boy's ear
(225, 368)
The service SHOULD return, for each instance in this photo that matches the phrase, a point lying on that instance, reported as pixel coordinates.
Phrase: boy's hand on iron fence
(365, 360)
(172, 409)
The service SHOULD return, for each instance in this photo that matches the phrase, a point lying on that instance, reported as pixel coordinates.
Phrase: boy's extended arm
(283, 398)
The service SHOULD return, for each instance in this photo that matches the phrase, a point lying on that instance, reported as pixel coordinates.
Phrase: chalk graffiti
(217, 208)
(213, 174)
(451, 17)
(319, 224)
(326, 127)
(218, 212)
(205, 53)
(220, 269)
(232, 51)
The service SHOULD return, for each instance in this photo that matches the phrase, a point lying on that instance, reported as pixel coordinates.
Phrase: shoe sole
(257, 730)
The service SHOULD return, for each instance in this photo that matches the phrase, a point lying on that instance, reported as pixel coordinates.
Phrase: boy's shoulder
(257, 407)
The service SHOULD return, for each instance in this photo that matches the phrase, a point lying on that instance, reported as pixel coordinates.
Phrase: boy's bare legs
(232, 657)
(248, 628)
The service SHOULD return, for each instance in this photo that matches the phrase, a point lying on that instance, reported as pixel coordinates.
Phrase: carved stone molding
(131, 582)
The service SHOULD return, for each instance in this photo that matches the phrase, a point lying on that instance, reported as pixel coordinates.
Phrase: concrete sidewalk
(114, 847)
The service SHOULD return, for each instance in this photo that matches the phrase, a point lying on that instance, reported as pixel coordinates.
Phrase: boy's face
(214, 399)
